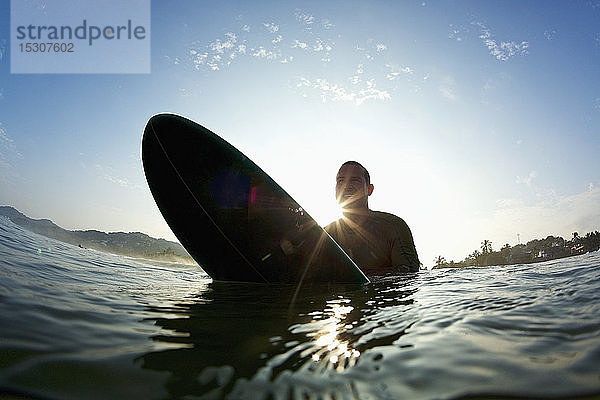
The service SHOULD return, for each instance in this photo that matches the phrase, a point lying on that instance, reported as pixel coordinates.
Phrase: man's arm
(404, 253)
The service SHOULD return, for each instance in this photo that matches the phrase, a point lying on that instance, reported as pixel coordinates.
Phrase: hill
(133, 244)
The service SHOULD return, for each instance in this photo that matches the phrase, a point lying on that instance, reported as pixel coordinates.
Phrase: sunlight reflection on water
(329, 347)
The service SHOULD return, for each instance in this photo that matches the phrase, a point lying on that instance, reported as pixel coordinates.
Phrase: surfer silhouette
(379, 243)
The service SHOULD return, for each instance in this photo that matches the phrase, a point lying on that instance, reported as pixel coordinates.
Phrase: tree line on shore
(536, 250)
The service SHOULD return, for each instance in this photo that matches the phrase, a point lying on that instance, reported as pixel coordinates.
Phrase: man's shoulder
(389, 222)
(385, 217)
(331, 227)
(378, 220)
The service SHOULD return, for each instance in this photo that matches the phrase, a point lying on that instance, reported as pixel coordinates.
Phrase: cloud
(309, 21)
(502, 51)
(271, 27)
(299, 44)
(7, 145)
(447, 93)
(309, 36)
(306, 19)
(528, 179)
(508, 203)
(394, 71)
(458, 33)
(261, 52)
(106, 174)
(447, 89)
(594, 4)
(218, 54)
(333, 92)
(2, 49)
(8, 155)
(308, 41)
(550, 34)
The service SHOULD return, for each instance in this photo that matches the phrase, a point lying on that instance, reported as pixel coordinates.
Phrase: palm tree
(486, 246)
(439, 260)
(474, 257)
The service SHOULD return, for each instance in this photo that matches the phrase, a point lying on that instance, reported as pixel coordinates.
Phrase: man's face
(351, 188)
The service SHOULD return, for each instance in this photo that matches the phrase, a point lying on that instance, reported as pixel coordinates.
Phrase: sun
(325, 212)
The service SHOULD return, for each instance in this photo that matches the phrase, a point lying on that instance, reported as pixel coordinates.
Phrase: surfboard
(234, 220)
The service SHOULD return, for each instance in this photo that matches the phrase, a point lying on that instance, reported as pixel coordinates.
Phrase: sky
(477, 120)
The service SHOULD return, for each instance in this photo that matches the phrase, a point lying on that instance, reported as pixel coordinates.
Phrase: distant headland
(133, 244)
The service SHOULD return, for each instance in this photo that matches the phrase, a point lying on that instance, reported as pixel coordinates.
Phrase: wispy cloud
(458, 32)
(595, 4)
(448, 89)
(308, 40)
(2, 49)
(448, 93)
(219, 53)
(262, 52)
(499, 49)
(334, 92)
(266, 42)
(380, 47)
(305, 18)
(8, 155)
(271, 27)
(502, 50)
(7, 144)
(309, 21)
(550, 34)
(107, 174)
(394, 71)
(527, 180)
(298, 44)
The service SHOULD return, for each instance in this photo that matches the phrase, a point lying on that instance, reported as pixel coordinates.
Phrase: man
(379, 243)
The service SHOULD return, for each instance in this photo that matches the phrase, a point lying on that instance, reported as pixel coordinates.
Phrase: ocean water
(79, 324)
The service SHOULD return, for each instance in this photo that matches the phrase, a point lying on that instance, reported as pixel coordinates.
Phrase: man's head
(353, 186)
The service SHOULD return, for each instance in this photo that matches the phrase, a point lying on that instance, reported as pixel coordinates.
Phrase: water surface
(76, 323)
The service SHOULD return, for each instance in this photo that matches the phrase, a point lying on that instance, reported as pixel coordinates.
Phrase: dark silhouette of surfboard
(233, 219)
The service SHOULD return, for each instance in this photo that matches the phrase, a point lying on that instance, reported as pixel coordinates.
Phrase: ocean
(79, 324)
